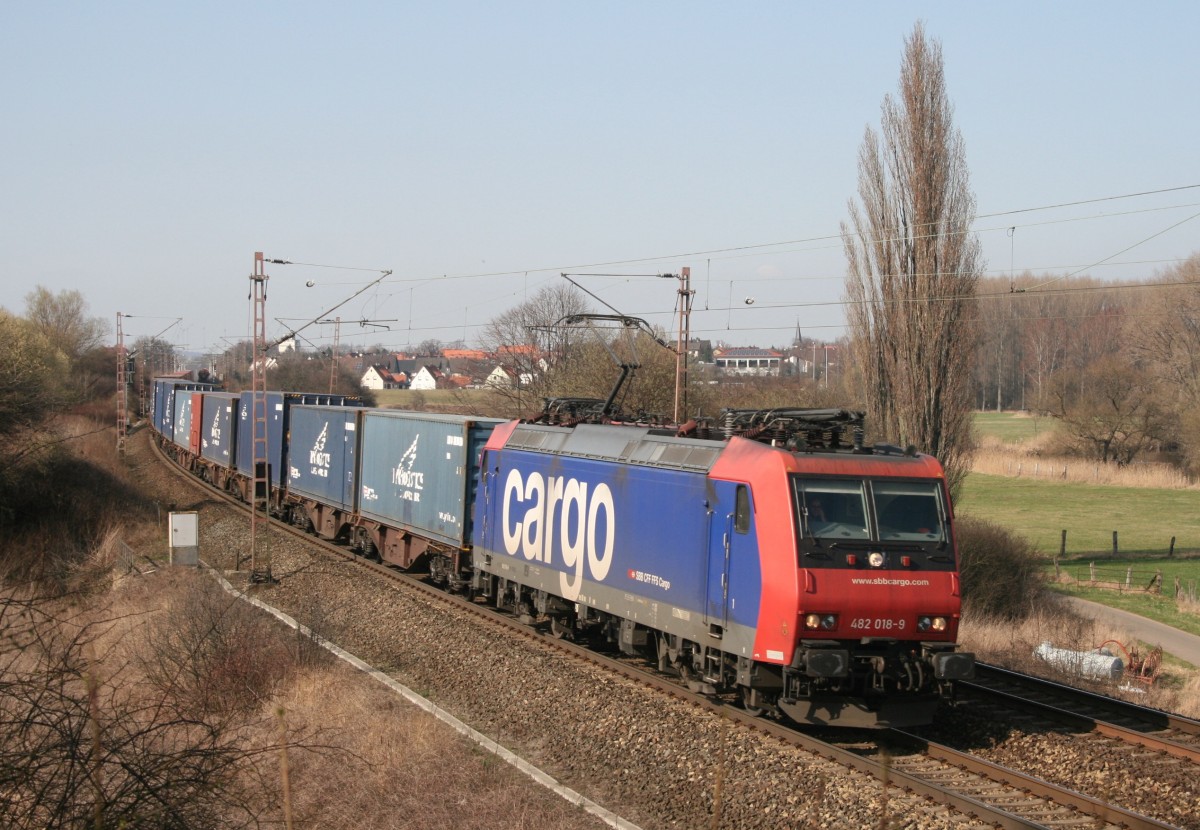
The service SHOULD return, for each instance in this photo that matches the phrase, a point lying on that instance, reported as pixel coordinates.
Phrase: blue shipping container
(278, 406)
(182, 424)
(418, 471)
(218, 432)
(323, 443)
(162, 416)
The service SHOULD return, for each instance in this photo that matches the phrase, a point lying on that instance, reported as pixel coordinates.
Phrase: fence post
(1114, 544)
(1128, 577)
(1062, 546)
(1171, 550)
(1092, 571)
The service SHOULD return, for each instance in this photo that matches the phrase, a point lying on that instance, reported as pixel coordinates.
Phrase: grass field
(1161, 607)
(1144, 518)
(411, 398)
(1011, 427)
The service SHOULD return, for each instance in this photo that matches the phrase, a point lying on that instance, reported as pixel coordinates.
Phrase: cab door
(729, 538)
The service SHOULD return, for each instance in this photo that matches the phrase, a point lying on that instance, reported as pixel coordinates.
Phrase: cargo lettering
(317, 457)
(410, 481)
(543, 514)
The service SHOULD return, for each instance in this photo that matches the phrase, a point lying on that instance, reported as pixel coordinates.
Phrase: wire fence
(1124, 580)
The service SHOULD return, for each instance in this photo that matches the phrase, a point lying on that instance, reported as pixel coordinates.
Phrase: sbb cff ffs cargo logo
(545, 518)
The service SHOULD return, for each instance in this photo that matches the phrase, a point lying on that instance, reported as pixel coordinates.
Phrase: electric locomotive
(812, 575)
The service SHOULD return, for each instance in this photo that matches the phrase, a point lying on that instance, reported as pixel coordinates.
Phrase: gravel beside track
(1146, 782)
(657, 762)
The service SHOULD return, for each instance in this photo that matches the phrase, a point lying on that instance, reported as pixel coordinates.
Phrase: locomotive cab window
(741, 519)
(832, 509)
(906, 511)
(909, 510)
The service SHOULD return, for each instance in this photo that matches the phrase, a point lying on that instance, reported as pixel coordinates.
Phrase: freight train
(768, 554)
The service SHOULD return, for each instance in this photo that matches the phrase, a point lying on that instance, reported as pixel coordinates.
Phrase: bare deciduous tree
(528, 342)
(1112, 408)
(913, 266)
(1169, 349)
(87, 740)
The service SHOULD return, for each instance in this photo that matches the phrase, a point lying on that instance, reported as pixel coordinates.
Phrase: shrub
(213, 652)
(1001, 572)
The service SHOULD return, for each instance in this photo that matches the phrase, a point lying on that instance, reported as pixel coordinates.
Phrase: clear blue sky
(147, 150)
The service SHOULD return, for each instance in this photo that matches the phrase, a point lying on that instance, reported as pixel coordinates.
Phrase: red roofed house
(464, 354)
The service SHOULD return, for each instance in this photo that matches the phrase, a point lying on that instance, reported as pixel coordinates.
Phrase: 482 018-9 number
(877, 624)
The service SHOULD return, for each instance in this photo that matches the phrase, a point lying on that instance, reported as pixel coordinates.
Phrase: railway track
(1079, 709)
(977, 789)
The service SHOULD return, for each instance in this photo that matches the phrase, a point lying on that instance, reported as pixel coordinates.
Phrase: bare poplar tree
(913, 266)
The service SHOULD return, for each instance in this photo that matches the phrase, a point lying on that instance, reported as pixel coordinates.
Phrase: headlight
(828, 622)
(931, 623)
(875, 559)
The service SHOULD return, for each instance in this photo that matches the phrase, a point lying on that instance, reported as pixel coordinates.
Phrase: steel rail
(1155, 718)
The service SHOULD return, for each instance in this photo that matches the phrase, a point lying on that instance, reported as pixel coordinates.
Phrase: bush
(1002, 576)
(214, 653)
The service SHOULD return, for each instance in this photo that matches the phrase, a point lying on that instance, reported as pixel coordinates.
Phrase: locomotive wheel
(561, 629)
(746, 695)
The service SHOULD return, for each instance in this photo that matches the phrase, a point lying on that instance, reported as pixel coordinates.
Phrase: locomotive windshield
(874, 510)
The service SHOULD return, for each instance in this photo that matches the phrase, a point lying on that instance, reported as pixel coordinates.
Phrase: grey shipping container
(218, 428)
(322, 446)
(418, 472)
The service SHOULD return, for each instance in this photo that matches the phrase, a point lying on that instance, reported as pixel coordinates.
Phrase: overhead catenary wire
(733, 252)
(829, 237)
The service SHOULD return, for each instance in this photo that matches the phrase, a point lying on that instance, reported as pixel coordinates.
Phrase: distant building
(425, 379)
(371, 379)
(700, 350)
(377, 378)
(747, 360)
(501, 378)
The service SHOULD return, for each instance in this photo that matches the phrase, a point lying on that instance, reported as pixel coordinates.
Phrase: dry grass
(1011, 645)
(402, 769)
(1024, 461)
(358, 756)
